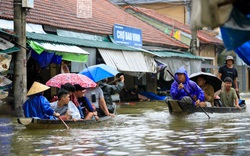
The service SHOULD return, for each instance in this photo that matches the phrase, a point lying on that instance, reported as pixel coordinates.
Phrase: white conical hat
(37, 88)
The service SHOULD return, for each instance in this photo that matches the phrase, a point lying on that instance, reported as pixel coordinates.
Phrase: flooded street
(141, 129)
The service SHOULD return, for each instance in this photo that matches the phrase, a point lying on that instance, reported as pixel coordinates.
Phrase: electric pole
(193, 44)
(20, 72)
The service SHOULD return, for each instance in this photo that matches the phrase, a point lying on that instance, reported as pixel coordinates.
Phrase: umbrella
(99, 72)
(71, 78)
(210, 79)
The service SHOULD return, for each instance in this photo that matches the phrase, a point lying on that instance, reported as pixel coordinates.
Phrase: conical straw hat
(37, 88)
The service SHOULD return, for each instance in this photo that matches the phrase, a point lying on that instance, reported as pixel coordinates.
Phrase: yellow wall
(209, 52)
(175, 11)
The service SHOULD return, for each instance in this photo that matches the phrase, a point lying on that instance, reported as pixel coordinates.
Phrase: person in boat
(111, 89)
(85, 104)
(37, 105)
(182, 81)
(228, 95)
(65, 107)
(95, 95)
(208, 90)
(71, 89)
(228, 70)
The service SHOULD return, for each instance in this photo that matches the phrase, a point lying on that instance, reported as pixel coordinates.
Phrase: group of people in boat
(201, 93)
(73, 102)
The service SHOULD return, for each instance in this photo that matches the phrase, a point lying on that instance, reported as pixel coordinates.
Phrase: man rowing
(182, 81)
(37, 105)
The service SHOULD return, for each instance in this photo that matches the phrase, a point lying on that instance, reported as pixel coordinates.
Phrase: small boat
(176, 107)
(35, 123)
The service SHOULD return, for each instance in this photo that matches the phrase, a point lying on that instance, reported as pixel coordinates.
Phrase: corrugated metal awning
(128, 61)
(176, 54)
(10, 50)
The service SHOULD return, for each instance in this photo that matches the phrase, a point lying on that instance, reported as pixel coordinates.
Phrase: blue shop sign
(127, 35)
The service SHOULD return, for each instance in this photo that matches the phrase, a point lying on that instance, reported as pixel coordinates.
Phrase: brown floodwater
(137, 130)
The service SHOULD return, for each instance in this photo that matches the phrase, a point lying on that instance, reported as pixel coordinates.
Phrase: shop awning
(176, 54)
(69, 53)
(10, 50)
(7, 32)
(51, 38)
(128, 61)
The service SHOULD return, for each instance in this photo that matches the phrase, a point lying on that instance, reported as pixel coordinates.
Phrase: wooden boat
(176, 107)
(34, 123)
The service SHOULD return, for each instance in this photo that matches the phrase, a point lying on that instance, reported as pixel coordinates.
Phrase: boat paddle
(187, 92)
(63, 122)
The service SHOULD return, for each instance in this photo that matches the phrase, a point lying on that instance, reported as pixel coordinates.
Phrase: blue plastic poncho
(38, 106)
(193, 89)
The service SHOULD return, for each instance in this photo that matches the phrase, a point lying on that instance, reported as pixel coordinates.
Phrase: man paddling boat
(177, 88)
(37, 105)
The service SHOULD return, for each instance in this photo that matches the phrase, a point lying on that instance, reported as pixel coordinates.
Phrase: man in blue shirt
(37, 105)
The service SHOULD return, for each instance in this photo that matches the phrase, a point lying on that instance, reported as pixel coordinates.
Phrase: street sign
(127, 35)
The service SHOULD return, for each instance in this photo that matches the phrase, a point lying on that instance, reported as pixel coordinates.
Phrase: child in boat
(228, 95)
(65, 107)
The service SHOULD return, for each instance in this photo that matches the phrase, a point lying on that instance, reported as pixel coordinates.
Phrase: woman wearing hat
(37, 105)
(228, 70)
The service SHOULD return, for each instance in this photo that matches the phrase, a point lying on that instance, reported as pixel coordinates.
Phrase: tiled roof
(177, 25)
(142, 1)
(62, 14)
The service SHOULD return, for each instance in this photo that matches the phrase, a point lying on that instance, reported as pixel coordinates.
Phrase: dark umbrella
(210, 79)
